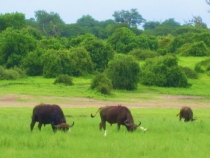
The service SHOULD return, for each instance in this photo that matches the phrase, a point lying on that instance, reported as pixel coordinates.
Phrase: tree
(31, 63)
(82, 63)
(123, 40)
(100, 51)
(196, 21)
(56, 62)
(87, 21)
(124, 72)
(132, 17)
(14, 20)
(49, 23)
(150, 25)
(14, 46)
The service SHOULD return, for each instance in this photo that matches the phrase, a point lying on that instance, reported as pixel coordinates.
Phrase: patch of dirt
(12, 100)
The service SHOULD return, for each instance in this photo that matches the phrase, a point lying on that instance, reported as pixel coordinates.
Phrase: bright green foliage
(14, 20)
(163, 72)
(81, 62)
(195, 49)
(203, 66)
(56, 62)
(71, 30)
(100, 52)
(124, 72)
(123, 40)
(14, 45)
(32, 63)
(53, 43)
(204, 36)
(164, 41)
(142, 54)
(75, 62)
(102, 83)
(65, 79)
(147, 42)
(190, 73)
(77, 41)
(11, 74)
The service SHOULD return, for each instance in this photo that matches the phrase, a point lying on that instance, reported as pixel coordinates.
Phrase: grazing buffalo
(186, 113)
(116, 114)
(49, 114)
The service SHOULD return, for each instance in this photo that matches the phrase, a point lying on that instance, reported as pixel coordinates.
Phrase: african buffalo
(186, 113)
(116, 114)
(49, 114)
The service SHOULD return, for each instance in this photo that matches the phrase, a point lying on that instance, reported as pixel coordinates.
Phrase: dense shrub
(11, 74)
(124, 72)
(81, 63)
(102, 84)
(32, 63)
(190, 73)
(64, 79)
(195, 49)
(142, 54)
(163, 72)
(203, 66)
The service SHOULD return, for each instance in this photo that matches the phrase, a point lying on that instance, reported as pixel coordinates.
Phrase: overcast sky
(151, 10)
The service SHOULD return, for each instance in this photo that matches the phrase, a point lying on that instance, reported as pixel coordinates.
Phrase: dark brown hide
(116, 114)
(186, 113)
(47, 114)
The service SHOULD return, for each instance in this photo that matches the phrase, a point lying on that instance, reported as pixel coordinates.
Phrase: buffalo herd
(52, 114)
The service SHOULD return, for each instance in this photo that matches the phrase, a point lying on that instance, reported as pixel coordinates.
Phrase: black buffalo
(116, 114)
(186, 113)
(49, 114)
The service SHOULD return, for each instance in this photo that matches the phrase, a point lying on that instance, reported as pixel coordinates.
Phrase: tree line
(111, 49)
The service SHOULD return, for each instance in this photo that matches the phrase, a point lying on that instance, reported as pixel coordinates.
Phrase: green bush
(11, 74)
(102, 84)
(190, 73)
(163, 72)
(124, 72)
(142, 54)
(203, 66)
(195, 49)
(64, 79)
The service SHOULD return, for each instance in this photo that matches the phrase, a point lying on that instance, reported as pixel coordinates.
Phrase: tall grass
(166, 135)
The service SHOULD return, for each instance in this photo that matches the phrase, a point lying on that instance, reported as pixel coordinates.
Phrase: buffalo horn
(139, 124)
(72, 124)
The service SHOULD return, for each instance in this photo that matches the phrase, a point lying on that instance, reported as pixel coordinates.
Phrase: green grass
(165, 137)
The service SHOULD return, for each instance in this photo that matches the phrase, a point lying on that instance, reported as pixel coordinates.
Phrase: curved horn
(139, 124)
(126, 122)
(72, 124)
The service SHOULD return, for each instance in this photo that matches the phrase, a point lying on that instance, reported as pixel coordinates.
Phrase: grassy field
(165, 137)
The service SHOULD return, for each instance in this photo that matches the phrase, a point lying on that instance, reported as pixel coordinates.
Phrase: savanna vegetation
(113, 60)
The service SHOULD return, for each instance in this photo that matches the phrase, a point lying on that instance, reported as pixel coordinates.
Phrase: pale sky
(151, 10)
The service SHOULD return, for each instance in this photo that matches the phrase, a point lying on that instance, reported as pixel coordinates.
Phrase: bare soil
(12, 100)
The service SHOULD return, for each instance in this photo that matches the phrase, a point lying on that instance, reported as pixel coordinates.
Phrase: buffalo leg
(102, 125)
(53, 128)
(40, 126)
(32, 124)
